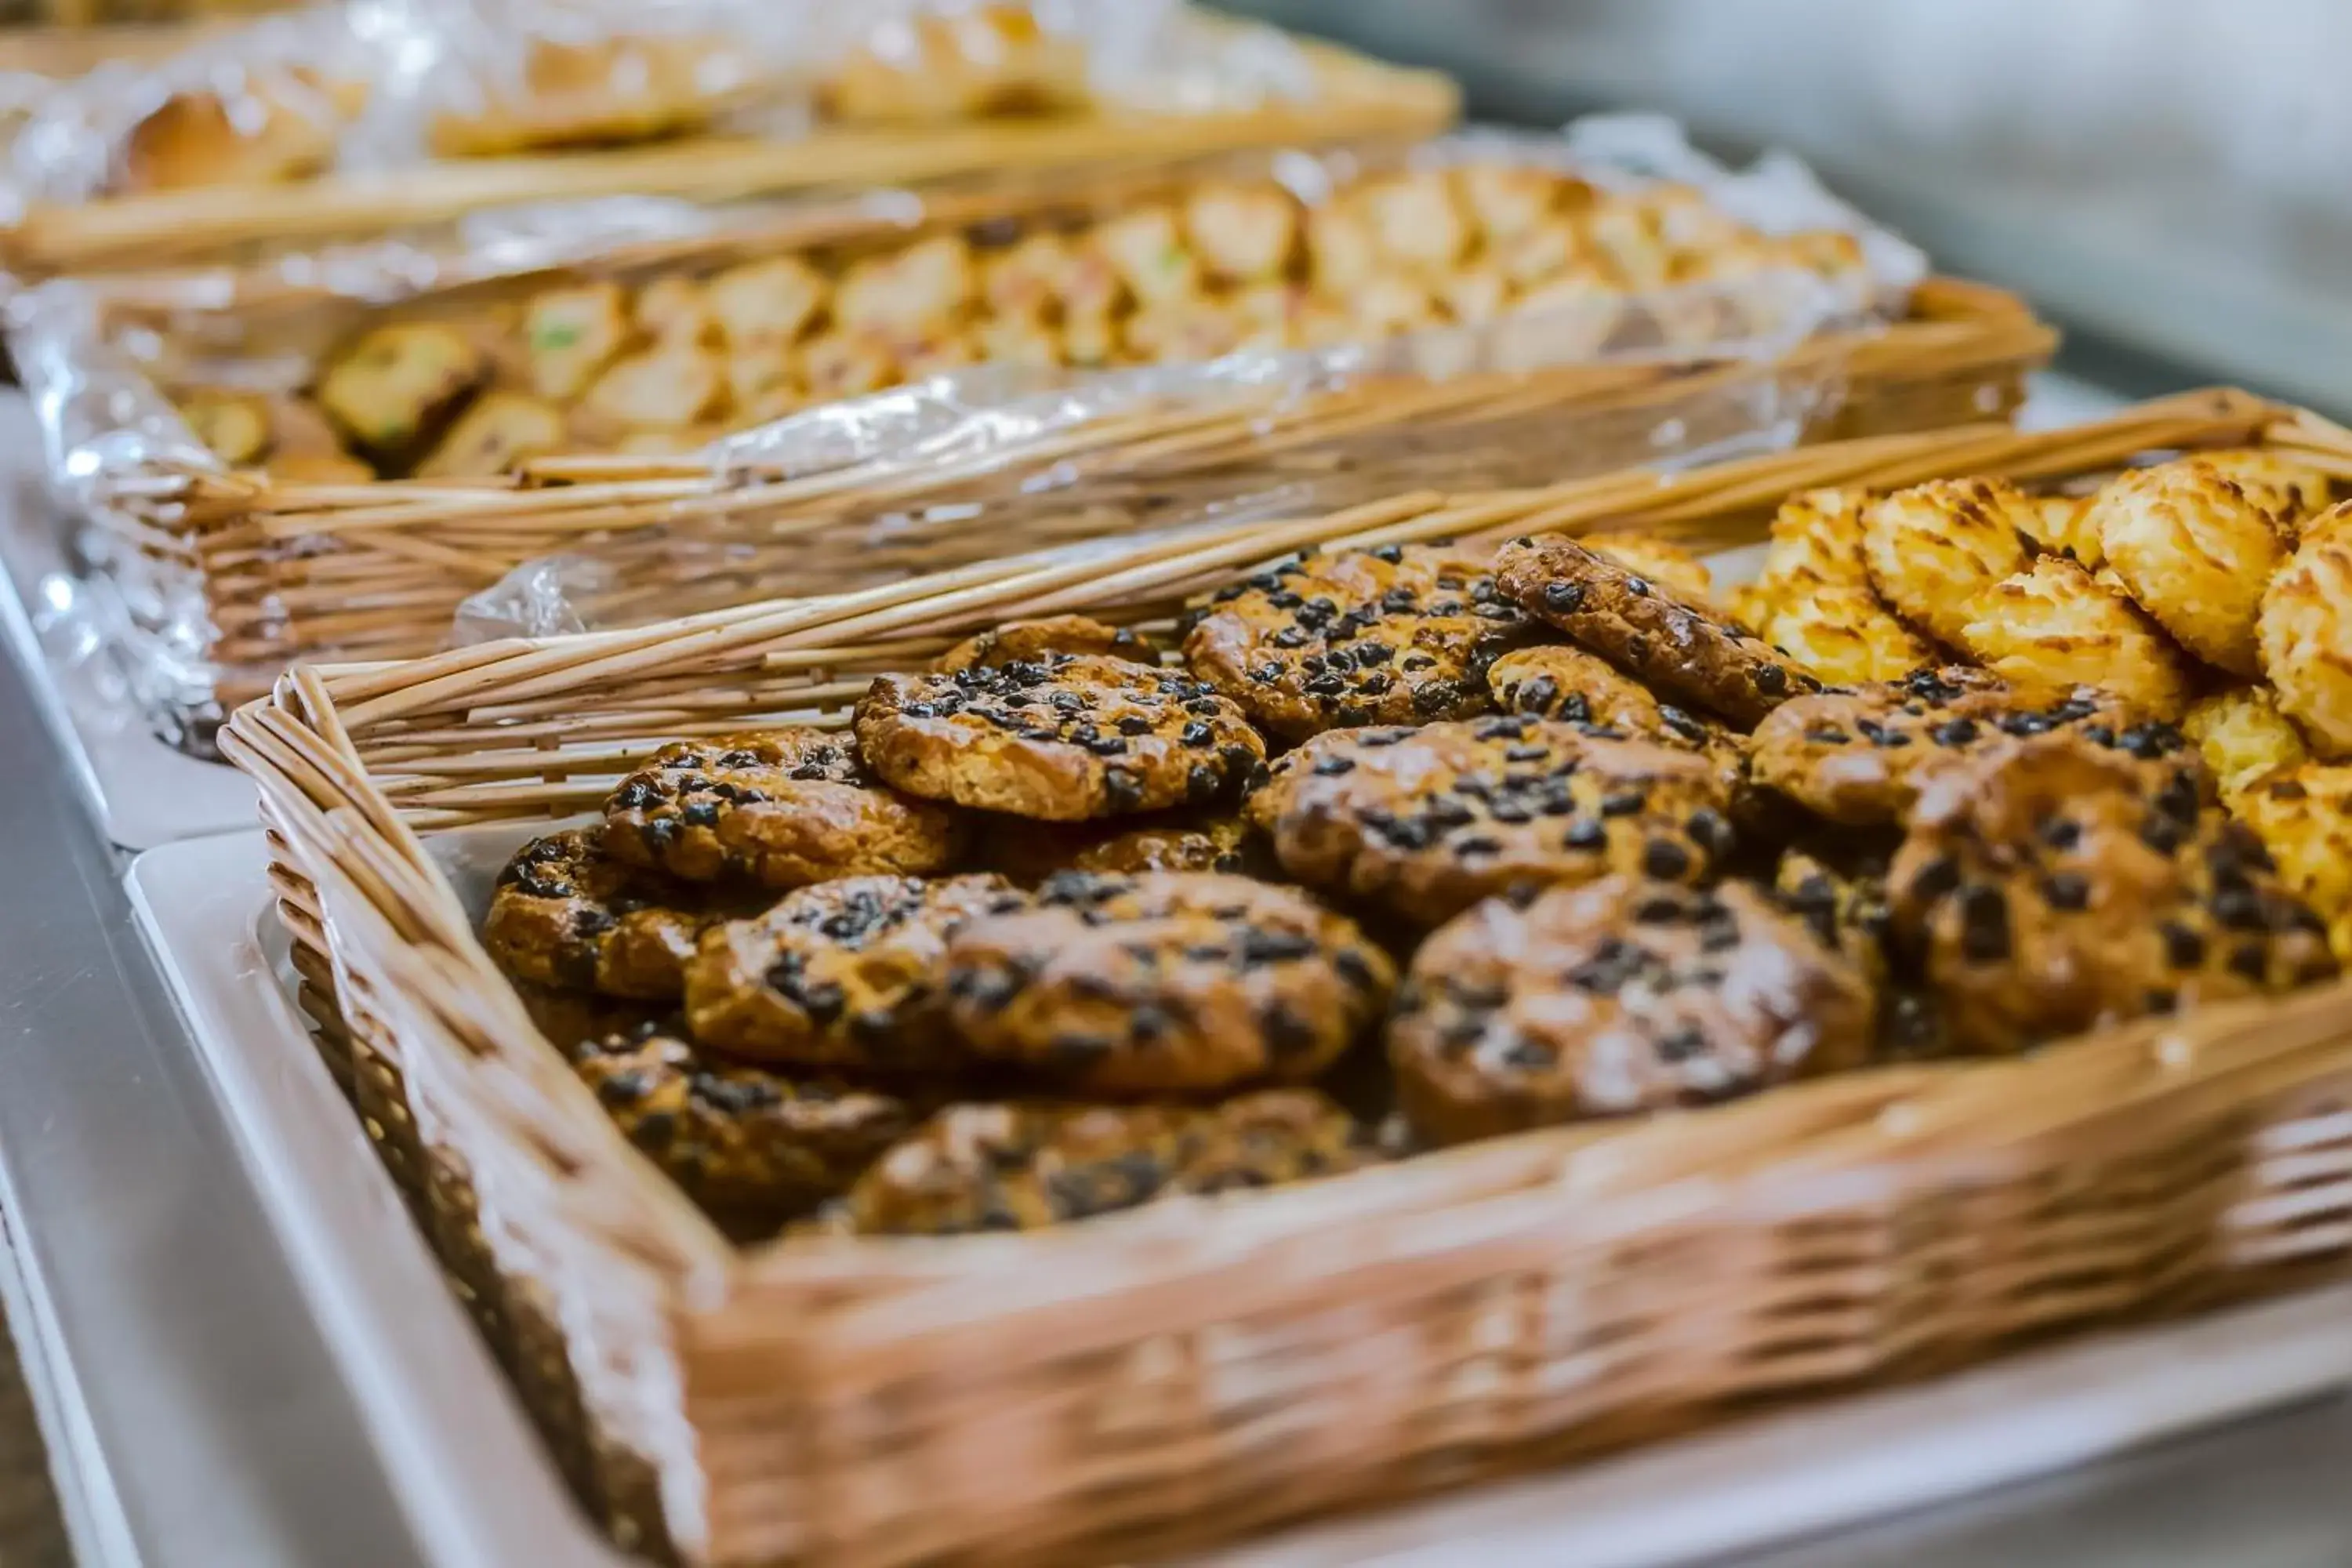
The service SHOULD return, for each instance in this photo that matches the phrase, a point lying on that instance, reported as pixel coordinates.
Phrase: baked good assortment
(1193, 272)
(1208, 918)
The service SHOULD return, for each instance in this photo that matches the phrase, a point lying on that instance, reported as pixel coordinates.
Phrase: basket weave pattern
(1197, 1369)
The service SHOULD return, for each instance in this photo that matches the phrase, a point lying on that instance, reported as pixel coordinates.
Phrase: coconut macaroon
(2052, 626)
(2195, 551)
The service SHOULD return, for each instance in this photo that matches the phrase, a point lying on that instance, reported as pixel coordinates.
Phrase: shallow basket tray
(287, 571)
(1159, 1379)
(1355, 97)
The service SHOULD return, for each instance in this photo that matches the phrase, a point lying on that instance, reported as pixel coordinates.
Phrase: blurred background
(2165, 178)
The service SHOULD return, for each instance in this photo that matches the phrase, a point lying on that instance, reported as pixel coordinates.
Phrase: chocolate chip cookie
(1022, 1166)
(783, 808)
(1029, 852)
(1860, 755)
(568, 914)
(2051, 889)
(1170, 981)
(1066, 738)
(1392, 636)
(1026, 642)
(1425, 823)
(847, 974)
(1847, 910)
(1677, 649)
(1618, 996)
(751, 1146)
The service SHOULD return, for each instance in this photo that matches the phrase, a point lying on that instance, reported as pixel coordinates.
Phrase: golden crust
(2292, 492)
(2305, 633)
(1667, 564)
(2243, 737)
(2195, 553)
(1933, 548)
(1818, 536)
(2063, 525)
(2052, 628)
(1842, 633)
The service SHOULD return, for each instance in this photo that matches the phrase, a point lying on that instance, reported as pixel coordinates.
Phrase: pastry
(500, 430)
(2305, 632)
(847, 973)
(2243, 738)
(1423, 823)
(1861, 755)
(566, 913)
(1674, 648)
(2292, 492)
(393, 387)
(1242, 233)
(2050, 890)
(572, 333)
(1020, 642)
(1391, 636)
(1066, 738)
(752, 1147)
(1018, 1167)
(1841, 632)
(1029, 852)
(1618, 996)
(1166, 983)
(2195, 551)
(783, 808)
(1933, 548)
(2052, 628)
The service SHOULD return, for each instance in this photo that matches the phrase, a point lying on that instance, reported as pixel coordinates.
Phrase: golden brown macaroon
(2050, 891)
(2292, 492)
(2054, 627)
(1164, 982)
(1817, 537)
(2242, 737)
(1841, 633)
(1933, 548)
(2063, 525)
(2305, 633)
(394, 386)
(1665, 563)
(2195, 553)
(1022, 1166)
(1617, 997)
(2302, 815)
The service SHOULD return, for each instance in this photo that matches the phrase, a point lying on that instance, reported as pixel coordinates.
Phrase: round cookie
(567, 914)
(1931, 549)
(2195, 551)
(847, 974)
(1029, 852)
(1673, 648)
(783, 808)
(1839, 633)
(2303, 817)
(2052, 628)
(1555, 682)
(2243, 737)
(1861, 756)
(1167, 983)
(1667, 566)
(752, 1147)
(1022, 1166)
(1392, 636)
(1017, 642)
(1425, 823)
(1067, 738)
(1616, 997)
(2306, 638)
(2049, 890)
(1846, 912)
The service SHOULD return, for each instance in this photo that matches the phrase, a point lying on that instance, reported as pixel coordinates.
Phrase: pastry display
(1472, 838)
(667, 362)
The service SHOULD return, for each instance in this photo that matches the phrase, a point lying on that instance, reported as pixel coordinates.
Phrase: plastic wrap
(386, 84)
(225, 578)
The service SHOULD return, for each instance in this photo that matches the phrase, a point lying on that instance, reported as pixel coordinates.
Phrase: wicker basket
(282, 570)
(1354, 98)
(1193, 1370)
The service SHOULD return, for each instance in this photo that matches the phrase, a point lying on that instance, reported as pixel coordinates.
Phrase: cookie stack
(1212, 269)
(1465, 839)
